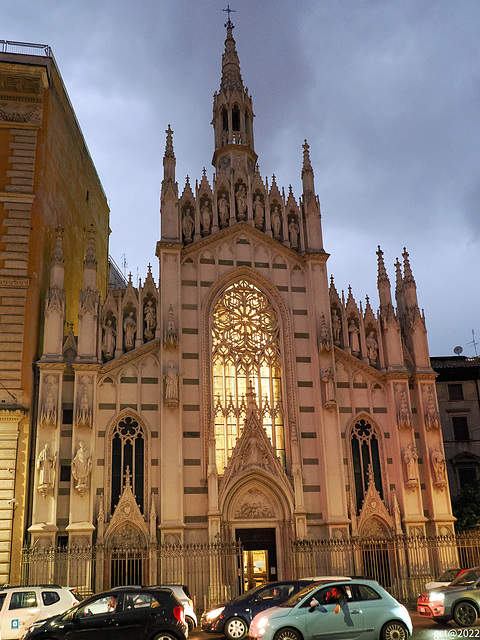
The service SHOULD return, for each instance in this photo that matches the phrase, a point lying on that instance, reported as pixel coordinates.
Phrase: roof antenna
(473, 342)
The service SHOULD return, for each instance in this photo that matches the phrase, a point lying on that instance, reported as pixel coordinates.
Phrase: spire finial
(228, 11)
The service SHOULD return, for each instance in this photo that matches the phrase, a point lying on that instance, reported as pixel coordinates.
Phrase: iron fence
(29, 48)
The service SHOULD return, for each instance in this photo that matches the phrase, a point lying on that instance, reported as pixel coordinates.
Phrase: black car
(233, 618)
(119, 614)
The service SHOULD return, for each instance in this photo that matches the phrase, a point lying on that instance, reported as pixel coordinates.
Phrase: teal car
(347, 610)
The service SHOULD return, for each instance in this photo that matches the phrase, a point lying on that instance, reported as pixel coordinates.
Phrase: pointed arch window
(365, 452)
(245, 350)
(235, 118)
(128, 457)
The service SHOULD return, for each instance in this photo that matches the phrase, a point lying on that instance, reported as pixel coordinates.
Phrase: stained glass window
(365, 452)
(245, 350)
(128, 456)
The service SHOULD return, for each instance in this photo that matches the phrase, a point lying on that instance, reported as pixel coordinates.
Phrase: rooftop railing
(9, 46)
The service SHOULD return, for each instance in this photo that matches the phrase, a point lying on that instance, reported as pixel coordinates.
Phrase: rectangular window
(460, 428)
(455, 392)
(23, 600)
(466, 476)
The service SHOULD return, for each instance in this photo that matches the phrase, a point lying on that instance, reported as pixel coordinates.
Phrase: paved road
(422, 630)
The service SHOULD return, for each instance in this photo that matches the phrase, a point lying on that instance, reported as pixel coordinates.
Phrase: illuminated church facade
(239, 396)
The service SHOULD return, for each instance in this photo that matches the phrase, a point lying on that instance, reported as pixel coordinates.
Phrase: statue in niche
(439, 465)
(372, 347)
(206, 218)
(276, 222)
(293, 231)
(328, 380)
(82, 467)
(325, 341)
(258, 212)
(129, 327)
(404, 416)
(49, 409)
(150, 317)
(223, 210)
(187, 225)
(410, 457)
(84, 411)
(108, 342)
(353, 333)
(171, 338)
(45, 466)
(171, 385)
(336, 327)
(431, 415)
(241, 198)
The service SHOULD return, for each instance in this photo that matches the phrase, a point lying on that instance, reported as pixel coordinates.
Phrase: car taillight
(179, 613)
(190, 603)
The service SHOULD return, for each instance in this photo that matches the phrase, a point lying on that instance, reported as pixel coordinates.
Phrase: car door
(94, 620)
(322, 622)
(19, 610)
(137, 615)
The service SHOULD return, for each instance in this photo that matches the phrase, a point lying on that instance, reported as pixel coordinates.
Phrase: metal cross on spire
(229, 11)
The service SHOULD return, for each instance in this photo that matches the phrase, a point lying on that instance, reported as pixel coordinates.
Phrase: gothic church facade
(239, 397)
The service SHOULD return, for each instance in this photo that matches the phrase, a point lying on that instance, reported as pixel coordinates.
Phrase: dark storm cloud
(386, 92)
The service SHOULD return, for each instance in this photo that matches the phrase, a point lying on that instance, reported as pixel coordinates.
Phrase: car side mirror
(313, 603)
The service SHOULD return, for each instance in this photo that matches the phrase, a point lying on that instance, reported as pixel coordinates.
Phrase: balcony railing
(9, 46)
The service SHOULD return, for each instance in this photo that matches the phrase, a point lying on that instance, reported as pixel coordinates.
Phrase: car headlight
(437, 597)
(262, 623)
(214, 613)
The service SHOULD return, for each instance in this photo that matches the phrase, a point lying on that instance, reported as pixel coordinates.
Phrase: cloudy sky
(387, 92)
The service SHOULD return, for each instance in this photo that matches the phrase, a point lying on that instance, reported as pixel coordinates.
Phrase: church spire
(233, 114)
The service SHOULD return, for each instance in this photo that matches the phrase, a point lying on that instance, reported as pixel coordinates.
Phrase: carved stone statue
(241, 198)
(404, 416)
(372, 347)
(223, 211)
(276, 222)
(439, 465)
(293, 233)
(171, 385)
(171, 338)
(328, 380)
(187, 226)
(336, 327)
(325, 340)
(45, 466)
(84, 411)
(206, 218)
(353, 333)
(108, 342)
(258, 212)
(410, 457)
(432, 421)
(82, 467)
(129, 327)
(49, 408)
(150, 317)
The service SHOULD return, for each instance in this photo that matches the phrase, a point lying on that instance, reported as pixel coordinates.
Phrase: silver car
(335, 610)
(459, 601)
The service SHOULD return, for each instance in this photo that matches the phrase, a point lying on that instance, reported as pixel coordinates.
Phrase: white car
(20, 606)
(183, 594)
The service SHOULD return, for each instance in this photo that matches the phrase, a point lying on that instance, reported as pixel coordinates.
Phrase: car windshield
(466, 577)
(295, 599)
(449, 575)
(249, 594)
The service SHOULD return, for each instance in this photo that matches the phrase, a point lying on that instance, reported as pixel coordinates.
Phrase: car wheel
(235, 629)
(394, 630)
(464, 614)
(191, 623)
(164, 636)
(287, 634)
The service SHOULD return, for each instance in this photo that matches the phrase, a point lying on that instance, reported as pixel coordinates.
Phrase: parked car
(446, 577)
(182, 592)
(20, 606)
(459, 601)
(233, 618)
(118, 613)
(360, 608)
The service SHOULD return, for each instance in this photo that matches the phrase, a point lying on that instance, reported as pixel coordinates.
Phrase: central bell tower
(233, 116)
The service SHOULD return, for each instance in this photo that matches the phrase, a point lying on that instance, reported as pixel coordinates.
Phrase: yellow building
(47, 181)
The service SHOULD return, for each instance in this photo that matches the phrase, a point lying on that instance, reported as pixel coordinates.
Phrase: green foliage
(466, 506)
